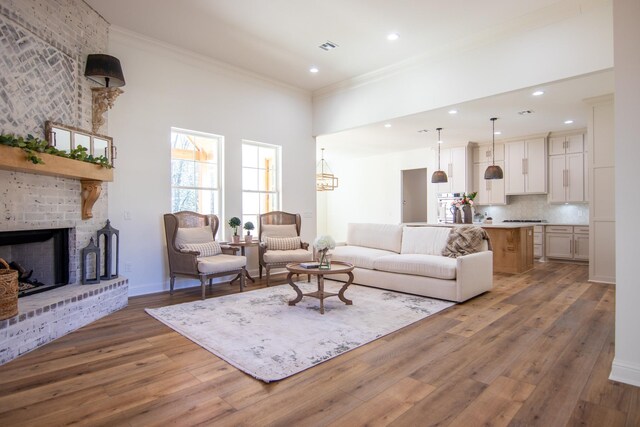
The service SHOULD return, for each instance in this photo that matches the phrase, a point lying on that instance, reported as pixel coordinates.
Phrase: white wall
(370, 190)
(626, 364)
(168, 88)
(566, 48)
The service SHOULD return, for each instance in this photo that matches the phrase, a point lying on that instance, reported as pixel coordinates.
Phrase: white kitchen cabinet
(538, 241)
(490, 191)
(484, 153)
(567, 242)
(566, 170)
(454, 161)
(526, 166)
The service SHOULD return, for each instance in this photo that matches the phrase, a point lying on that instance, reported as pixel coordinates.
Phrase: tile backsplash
(536, 207)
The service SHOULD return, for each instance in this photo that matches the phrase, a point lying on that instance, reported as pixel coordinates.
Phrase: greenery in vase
(235, 223)
(32, 146)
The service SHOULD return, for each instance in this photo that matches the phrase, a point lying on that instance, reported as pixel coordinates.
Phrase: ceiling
(561, 101)
(280, 38)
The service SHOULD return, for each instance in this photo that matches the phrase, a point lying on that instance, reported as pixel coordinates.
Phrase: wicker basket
(8, 291)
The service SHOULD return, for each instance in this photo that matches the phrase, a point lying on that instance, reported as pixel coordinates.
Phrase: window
(260, 180)
(195, 172)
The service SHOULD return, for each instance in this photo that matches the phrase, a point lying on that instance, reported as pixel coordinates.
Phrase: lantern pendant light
(494, 171)
(439, 176)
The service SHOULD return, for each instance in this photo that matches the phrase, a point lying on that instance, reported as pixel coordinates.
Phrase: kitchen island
(512, 244)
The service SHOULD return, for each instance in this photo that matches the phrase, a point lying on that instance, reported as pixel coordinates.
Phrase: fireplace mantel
(91, 175)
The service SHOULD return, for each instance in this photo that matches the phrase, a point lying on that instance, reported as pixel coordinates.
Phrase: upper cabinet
(526, 166)
(566, 169)
(455, 162)
(490, 191)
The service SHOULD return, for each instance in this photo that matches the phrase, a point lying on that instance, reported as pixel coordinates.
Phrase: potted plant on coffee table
(248, 226)
(235, 223)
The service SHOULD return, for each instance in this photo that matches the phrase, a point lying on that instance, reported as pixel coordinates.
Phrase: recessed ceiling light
(453, 111)
(423, 130)
(497, 132)
(393, 36)
(538, 93)
(568, 122)
(387, 125)
(313, 70)
(525, 112)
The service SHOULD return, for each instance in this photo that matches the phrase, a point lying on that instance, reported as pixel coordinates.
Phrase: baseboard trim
(625, 373)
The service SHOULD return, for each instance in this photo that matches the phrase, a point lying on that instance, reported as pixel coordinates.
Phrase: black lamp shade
(493, 172)
(105, 70)
(439, 177)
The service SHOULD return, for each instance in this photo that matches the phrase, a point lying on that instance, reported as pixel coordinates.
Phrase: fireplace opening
(41, 258)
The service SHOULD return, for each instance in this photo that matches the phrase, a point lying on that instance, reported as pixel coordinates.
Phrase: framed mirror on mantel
(68, 138)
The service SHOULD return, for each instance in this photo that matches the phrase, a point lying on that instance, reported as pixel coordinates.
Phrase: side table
(242, 244)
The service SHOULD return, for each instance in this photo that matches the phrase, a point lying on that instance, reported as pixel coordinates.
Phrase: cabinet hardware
(523, 167)
(575, 246)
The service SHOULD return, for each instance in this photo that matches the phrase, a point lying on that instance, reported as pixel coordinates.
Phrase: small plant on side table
(248, 226)
(322, 244)
(235, 223)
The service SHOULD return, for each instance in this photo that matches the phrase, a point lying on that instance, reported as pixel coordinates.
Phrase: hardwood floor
(537, 350)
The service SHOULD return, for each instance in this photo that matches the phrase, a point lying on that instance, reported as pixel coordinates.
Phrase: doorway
(414, 195)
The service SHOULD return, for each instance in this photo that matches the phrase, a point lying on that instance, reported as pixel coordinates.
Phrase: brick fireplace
(43, 49)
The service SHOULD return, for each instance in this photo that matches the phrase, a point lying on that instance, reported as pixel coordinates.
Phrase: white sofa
(408, 259)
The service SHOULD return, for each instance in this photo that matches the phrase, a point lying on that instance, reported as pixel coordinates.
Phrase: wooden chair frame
(186, 263)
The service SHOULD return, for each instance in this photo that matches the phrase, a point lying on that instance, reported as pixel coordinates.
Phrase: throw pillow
(205, 249)
(275, 230)
(186, 235)
(465, 240)
(283, 243)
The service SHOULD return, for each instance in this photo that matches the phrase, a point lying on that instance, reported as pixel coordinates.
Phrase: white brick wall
(73, 30)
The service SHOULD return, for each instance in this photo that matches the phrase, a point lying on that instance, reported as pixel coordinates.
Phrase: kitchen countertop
(495, 225)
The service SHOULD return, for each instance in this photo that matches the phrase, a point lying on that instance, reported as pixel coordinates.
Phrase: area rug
(260, 334)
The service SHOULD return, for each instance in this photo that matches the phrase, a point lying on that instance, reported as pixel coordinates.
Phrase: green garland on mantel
(32, 146)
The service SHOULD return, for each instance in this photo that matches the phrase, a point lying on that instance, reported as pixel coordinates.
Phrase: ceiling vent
(328, 45)
(525, 112)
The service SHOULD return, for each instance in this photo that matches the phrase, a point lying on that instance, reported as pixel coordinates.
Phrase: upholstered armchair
(193, 251)
(280, 242)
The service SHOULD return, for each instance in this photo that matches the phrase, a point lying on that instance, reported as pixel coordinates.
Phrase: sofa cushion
(387, 237)
(220, 263)
(358, 256)
(186, 235)
(424, 240)
(435, 266)
(297, 255)
(205, 249)
(275, 230)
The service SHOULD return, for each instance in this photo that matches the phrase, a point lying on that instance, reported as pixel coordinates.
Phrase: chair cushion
(274, 230)
(387, 237)
(282, 243)
(220, 263)
(358, 255)
(424, 240)
(205, 249)
(436, 266)
(186, 235)
(297, 255)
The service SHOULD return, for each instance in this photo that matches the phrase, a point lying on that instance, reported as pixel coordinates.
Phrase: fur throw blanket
(465, 240)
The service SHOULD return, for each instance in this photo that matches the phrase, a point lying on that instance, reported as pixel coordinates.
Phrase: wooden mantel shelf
(14, 159)
(91, 175)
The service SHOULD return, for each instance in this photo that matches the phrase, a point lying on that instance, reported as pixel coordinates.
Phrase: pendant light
(325, 180)
(494, 171)
(439, 176)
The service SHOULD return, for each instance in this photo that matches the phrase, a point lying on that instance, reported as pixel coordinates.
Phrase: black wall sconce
(106, 71)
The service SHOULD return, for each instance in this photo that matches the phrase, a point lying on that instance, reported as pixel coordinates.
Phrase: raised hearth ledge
(91, 175)
(49, 315)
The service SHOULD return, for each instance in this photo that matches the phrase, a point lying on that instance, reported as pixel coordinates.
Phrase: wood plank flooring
(535, 351)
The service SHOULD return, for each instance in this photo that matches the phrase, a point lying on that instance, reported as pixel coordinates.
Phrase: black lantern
(88, 260)
(110, 270)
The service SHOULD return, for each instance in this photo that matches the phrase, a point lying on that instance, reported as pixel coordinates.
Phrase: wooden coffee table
(337, 267)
